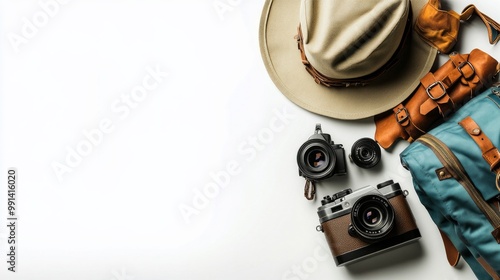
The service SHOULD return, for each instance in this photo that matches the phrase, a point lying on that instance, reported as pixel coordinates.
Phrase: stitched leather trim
(490, 153)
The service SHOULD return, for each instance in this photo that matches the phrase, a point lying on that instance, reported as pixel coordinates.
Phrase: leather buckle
(459, 68)
(428, 90)
(403, 118)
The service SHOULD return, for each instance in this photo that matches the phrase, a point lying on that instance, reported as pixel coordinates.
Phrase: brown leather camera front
(341, 242)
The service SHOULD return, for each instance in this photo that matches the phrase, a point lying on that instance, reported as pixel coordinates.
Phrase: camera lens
(316, 159)
(372, 217)
(365, 153)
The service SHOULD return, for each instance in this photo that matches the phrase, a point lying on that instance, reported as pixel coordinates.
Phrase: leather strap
(452, 253)
(490, 153)
(309, 189)
(405, 121)
(437, 91)
(324, 80)
(453, 256)
(492, 26)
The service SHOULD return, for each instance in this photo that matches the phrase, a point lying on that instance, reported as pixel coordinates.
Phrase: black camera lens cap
(365, 153)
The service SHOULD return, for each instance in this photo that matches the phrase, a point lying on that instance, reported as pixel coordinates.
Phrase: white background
(105, 166)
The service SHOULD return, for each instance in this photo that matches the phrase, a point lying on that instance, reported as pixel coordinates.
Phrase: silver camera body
(367, 221)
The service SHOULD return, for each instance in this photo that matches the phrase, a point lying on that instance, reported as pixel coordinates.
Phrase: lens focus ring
(365, 153)
(372, 217)
(316, 159)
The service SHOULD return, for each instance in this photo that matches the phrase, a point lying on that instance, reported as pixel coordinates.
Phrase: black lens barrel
(365, 153)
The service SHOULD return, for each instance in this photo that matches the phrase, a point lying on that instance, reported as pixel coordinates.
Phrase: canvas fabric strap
(439, 28)
(321, 79)
(490, 153)
(492, 156)
(491, 271)
(452, 254)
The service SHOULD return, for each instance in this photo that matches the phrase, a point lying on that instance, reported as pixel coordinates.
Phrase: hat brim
(278, 26)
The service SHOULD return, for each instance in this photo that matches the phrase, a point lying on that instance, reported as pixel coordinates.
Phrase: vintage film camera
(367, 221)
(320, 158)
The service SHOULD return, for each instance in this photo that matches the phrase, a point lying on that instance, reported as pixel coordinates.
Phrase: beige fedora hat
(350, 41)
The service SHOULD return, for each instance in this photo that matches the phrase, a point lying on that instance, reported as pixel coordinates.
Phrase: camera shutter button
(327, 199)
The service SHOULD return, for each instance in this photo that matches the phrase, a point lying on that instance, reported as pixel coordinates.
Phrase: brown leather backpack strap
(490, 153)
(452, 253)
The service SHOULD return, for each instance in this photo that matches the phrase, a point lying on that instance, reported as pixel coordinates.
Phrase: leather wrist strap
(309, 189)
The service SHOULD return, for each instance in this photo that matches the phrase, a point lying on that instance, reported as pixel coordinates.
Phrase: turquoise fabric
(447, 202)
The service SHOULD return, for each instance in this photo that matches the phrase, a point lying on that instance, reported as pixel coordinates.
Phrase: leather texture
(440, 28)
(489, 151)
(469, 231)
(438, 95)
(452, 253)
(341, 242)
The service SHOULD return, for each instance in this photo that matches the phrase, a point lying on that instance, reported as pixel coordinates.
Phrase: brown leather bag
(438, 95)
(439, 28)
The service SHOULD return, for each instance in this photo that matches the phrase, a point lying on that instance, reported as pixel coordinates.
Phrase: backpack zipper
(451, 162)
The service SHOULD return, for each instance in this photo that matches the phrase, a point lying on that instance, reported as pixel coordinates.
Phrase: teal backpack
(455, 169)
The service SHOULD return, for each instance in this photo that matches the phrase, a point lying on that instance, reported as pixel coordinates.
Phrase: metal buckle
(400, 121)
(428, 90)
(459, 68)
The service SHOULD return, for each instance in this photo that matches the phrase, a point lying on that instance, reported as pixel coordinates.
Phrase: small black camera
(320, 158)
(358, 224)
